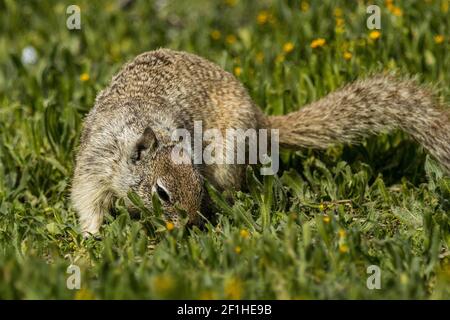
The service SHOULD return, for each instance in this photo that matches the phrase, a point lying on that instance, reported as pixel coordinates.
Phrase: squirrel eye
(162, 193)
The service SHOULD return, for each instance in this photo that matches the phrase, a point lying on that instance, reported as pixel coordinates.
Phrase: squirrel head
(178, 186)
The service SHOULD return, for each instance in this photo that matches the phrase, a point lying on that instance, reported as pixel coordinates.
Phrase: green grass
(309, 232)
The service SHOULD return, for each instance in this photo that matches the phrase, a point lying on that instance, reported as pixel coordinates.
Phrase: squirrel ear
(147, 142)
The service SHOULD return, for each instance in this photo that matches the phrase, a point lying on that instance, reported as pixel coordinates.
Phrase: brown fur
(165, 90)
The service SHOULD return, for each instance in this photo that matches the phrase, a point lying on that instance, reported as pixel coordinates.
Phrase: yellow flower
(390, 5)
(404, 279)
(207, 295)
(340, 22)
(342, 233)
(230, 3)
(244, 234)
(215, 34)
(396, 11)
(84, 294)
(444, 6)
(338, 12)
(321, 206)
(259, 57)
(304, 6)
(84, 77)
(339, 30)
(320, 42)
(439, 39)
(170, 226)
(279, 58)
(288, 47)
(347, 55)
(163, 283)
(374, 35)
(233, 289)
(343, 248)
(326, 219)
(238, 250)
(230, 39)
(237, 71)
(263, 17)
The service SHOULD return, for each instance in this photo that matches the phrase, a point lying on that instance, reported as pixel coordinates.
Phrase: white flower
(29, 55)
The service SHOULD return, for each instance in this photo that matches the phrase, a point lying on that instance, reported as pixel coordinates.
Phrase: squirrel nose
(194, 217)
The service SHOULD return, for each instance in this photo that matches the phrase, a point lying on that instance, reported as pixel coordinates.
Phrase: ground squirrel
(126, 142)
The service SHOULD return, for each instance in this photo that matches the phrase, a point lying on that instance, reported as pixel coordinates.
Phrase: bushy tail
(369, 106)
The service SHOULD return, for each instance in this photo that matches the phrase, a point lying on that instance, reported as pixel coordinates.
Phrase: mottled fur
(377, 104)
(166, 90)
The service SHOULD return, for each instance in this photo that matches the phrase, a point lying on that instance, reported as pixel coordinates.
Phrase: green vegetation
(310, 232)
